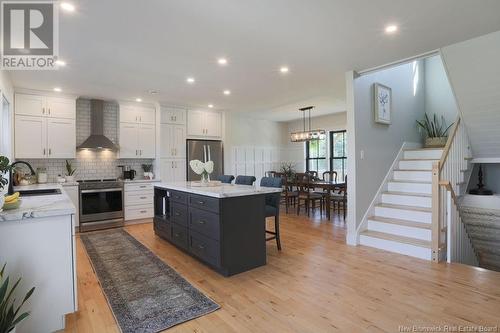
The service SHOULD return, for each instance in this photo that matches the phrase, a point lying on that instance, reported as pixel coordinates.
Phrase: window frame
(308, 159)
(343, 157)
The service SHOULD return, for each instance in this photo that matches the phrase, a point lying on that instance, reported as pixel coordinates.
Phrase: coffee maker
(127, 172)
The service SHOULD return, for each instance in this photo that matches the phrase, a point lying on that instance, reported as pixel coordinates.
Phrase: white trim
(384, 185)
(352, 237)
(399, 62)
(486, 160)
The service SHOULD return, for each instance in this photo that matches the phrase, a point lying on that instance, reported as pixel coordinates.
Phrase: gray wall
(439, 97)
(381, 143)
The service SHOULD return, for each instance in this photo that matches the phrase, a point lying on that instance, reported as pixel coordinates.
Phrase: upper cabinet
(137, 114)
(44, 126)
(172, 115)
(45, 106)
(137, 131)
(204, 124)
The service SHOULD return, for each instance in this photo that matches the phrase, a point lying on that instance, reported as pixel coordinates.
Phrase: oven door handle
(102, 190)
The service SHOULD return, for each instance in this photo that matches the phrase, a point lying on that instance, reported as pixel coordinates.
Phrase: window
(316, 156)
(338, 154)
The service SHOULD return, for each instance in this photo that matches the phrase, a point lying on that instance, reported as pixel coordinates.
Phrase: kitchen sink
(50, 191)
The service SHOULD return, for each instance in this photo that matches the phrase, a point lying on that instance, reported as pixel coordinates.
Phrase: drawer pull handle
(143, 211)
(177, 214)
(176, 235)
(143, 197)
(201, 202)
(143, 186)
(201, 222)
(201, 247)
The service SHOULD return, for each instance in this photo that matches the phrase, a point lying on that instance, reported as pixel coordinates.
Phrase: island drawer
(162, 227)
(205, 203)
(204, 248)
(179, 214)
(205, 223)
(139, 187)
(180, 236)
(179, 197)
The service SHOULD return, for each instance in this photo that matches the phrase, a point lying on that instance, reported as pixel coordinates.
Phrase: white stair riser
(402, 214)
(392, 246)
(416, 165)
(425, 154)
(408, 200)
(400, 230)
(425, 176)
(410, 187)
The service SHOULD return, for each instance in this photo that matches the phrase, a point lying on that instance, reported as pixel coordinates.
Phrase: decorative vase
(205, 178)
(437, 142)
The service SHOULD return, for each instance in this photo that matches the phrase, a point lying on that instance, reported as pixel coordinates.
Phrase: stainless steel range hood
(97, 140)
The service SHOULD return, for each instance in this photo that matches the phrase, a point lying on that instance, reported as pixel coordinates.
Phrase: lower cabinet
(138, 201)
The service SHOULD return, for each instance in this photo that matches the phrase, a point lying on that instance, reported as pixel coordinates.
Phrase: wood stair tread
(395, 238)
(405, 223)
(404, 207)
(418, 170)
(410, 194)
(422, 149)
(420, 159)
(409, 181)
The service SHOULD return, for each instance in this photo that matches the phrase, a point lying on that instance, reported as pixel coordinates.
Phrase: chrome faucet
(11, 180)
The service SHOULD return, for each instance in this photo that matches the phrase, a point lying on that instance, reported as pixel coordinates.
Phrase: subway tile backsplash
(92, 164)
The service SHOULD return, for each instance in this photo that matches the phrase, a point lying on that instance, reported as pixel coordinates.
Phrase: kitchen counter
(139, 181)
(222, 191)
(41, 205)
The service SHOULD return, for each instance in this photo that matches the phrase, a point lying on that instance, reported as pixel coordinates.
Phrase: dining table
(327, 186)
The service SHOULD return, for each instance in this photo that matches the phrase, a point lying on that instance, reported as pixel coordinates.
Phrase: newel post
(436, 233)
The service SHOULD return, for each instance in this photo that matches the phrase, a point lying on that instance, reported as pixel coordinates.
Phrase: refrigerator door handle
(204, 153)
(208, 148)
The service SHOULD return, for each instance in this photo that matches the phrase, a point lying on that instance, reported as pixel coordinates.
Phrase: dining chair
(306, 195)
(270, 173)
(340, 197)
(313, 174)
(245, 180)
(273, 207)
(328, 176)
(289, 196)
(227, 179)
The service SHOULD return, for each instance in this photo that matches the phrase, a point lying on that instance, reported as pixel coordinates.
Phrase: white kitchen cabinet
(204, 124)
(138, 201)
(137, 114)
(170, 115)
(137, 140)
(146, 141)
(172, 141)
(40, 137)
(173, 170)
(30, 137)
(45, 106)
(61, 138)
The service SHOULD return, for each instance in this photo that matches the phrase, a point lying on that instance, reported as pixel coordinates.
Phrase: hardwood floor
(316, 284)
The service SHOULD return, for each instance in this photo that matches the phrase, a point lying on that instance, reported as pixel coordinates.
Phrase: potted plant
(9, 314)
(435, 130)
(288, 170)
(148, 171)
(70, 172)
(4, 168)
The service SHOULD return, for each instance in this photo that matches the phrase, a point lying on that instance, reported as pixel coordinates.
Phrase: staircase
(402, 220)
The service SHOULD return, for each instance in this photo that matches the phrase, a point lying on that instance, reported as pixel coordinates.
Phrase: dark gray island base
(226, 233)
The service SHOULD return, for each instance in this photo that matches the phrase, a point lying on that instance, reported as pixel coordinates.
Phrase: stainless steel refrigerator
(205, 150)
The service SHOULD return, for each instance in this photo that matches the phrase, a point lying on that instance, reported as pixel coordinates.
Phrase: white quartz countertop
(139, 181)
(40, 205)
(222, 191)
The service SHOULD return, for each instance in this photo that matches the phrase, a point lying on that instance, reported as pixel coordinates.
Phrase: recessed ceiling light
(222, 61)
(284, 69)
(60, 62)
(210, 105)
(138, 99)
(227, 92)
(57, 89)
(391, 28)
(190, 80)
(67, 6)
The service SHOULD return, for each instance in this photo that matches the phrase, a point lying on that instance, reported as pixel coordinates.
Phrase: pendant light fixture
(307, 135)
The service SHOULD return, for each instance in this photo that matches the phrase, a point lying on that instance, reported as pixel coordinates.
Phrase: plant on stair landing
(435, 130)
(9, 317)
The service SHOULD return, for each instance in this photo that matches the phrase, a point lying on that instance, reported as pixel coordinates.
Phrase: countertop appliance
(101, 204)
(127, 172)
(205, 150)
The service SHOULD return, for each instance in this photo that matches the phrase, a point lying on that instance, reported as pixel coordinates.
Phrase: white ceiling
(119, 49)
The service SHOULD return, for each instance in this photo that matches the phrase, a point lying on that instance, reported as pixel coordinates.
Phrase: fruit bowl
(12, 205)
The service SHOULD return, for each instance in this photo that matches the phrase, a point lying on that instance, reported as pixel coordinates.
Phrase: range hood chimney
(97, 140)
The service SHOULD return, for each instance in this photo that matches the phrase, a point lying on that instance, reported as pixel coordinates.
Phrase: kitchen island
(37, 243)
(223, 226)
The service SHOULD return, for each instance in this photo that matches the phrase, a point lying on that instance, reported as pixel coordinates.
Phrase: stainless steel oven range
(101, 204)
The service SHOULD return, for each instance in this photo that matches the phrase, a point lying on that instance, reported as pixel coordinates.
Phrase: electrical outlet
(362, 154)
